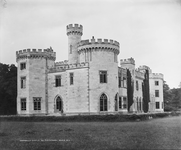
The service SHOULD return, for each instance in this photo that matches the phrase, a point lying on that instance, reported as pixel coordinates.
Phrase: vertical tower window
(156, 93)
(119, 81)
(57, 81)
(23, 66)
(124, 82)
(156, 83)
(23, 103)
(137, 86)
(71, 78)
(70, 49)
(37, 103)
(23, 82)
(103, 102)
(103, 76)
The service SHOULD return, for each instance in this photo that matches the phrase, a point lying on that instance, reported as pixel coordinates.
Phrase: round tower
(32, 80)
(103, 72)
(74, 33)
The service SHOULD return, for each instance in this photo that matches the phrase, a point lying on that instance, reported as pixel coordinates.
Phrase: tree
(129, 89)
(172, 98)
(8, 89)
(146, 92)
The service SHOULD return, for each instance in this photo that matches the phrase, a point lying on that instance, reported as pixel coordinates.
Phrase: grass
(161, 133)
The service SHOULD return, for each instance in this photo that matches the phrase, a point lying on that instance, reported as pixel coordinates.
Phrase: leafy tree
(8, 89)
(129, 89)
(172, 98)
(146, 92)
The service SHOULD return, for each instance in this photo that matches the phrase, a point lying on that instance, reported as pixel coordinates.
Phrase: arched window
(103, 102)
(59, 105)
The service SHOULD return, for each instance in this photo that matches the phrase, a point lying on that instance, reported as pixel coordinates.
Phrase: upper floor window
(70, 49)
(156, 93)
(103, 76)
(23, 103)
(57, 81)
(22, 66)
(71, 78)
(37, 103)
(156, 82)
(23, 82)
(137, 85)
(124, 82)
(119, 81)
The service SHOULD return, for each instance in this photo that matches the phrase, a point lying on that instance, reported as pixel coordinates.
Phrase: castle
(89, 82)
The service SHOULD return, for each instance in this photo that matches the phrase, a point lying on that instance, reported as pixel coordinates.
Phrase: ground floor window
(37, 103)
(23, 103)
(157, 105)
(124, 102)
(120, 102)
(59, 105)
(103, 102)
(116, 102)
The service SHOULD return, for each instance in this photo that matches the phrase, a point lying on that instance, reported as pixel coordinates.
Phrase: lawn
(161, 133)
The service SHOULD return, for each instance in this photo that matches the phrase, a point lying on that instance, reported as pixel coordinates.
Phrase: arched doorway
(103, 102)
(59, 104)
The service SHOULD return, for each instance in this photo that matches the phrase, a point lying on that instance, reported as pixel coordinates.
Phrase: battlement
(69, 66)
(61, 63)
(139, 74)
(31, 53)
(156, 75)
(74, 29)
(98, 41)
(98, 44)
(143, 68)
(128, 61)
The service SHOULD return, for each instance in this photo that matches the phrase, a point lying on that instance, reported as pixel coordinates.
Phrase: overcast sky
(148, 30)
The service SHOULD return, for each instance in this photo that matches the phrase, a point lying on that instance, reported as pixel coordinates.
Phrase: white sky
(148, 30)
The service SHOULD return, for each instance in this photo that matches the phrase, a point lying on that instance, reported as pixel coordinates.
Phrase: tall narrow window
(23, 103)
(103, 76)
(23, 82)
(124, 82)
(120, 102)
(59, 104)
(23, 66)
(156, 93)
(157, 105)
(70, 49)
(116, 102)
(124, 102)
(119, 81)
(137, 86)
(57, 81)
(37, 103)
(103, 102)
(156, 83)
(71, 78)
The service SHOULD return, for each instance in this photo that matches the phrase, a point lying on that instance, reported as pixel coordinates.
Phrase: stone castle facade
(89, 82)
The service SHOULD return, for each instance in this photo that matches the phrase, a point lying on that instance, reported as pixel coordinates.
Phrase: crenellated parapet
(68, 67)
(139, 74)
(98, 44)
(143, 68)
(156, 76)
(36, 53)
(61, 63)
(74, 29)
(127, 61)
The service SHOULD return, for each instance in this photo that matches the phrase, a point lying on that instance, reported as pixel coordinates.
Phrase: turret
(74, 33)
(128, 64)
